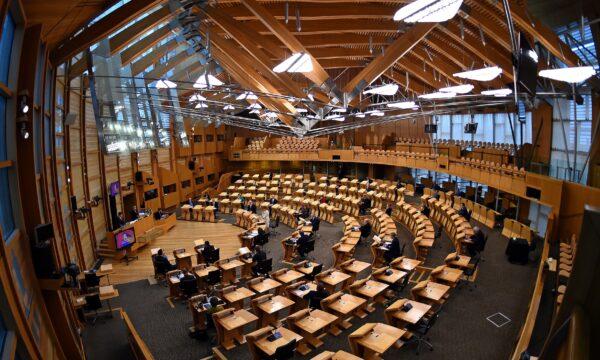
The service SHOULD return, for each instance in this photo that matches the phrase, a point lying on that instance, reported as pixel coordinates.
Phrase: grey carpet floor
(462, 331)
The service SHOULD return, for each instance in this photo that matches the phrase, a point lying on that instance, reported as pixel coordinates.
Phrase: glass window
(6, 42)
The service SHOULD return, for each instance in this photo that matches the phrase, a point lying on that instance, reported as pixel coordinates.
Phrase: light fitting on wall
(24, 130)
(23, 107)
(484, 74)
(570, 75)
(298, 62)
(386, 90)
(428, 11)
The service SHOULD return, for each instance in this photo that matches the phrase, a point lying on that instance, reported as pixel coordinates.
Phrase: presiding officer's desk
(139, 226)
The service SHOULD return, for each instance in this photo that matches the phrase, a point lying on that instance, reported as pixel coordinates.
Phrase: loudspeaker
(73, 203)
(430, 128)
(44, 232)
(70, 119)
(43, 259)
(470, 128)
(138, 176)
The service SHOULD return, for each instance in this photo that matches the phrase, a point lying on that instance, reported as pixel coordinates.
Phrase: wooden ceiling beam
(153, 57)
(250, 41)
(415, 70)
(333, 40)
(318, 12)
(543, 34)
(392, 54)
(488, 53)
(161, 69)
(331, 27)
(119, 41)
(414, 86)
(101, 29)
(480, 15)
(341, 63)
(137, 49)
(438, 62)
(319, 76)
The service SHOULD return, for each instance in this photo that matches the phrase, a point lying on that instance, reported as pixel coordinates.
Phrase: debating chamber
(299, 179)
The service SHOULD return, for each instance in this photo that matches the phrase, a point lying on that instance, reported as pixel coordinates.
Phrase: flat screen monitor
(114, 188)
(124, 239)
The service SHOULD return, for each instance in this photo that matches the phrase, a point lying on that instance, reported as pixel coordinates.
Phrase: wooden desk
(271, 309)
(332, 280)
(232, 325)
(347, 306)
(183, 260)
(297, 295)
(236, 298)
(265, 286)
(106, 293)
(310, 323)
(270, 347)
(399, 318)
(447, 275)
(306, 270)
(289, 277)
(407, 264)
(229, 270)
(395, 277)
(372, 291)
(338, 355)
(376, 339)
(354, 267)
(462, 262)
(433, 291)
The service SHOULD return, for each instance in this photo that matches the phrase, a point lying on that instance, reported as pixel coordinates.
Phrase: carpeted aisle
(462, 331)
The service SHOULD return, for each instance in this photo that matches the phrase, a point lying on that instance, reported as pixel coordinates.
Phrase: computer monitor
(124, 239)
(115, 187)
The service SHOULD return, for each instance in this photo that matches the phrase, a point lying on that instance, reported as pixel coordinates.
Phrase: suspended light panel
(228, 107)
(255, 106)
(301, 110)
(165, 84)
(201, 105)
(403, 105)
(428, 11)
(386, 90)
(438, 95)
(339, 110)
(298, 62)
(497, 92)
(205, 81)
(484, 74)
(572, 75)
(248, 95)
(197, 97)
(459, 89)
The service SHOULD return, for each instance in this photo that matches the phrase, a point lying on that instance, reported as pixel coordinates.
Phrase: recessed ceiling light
(428, 11)
(387, 90)
(298, 62)
(459, 89)
(571, 75)
(485, 74)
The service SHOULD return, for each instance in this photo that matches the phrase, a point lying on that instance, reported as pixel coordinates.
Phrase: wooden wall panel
(93, 166)
(163, 157)
(145, 161)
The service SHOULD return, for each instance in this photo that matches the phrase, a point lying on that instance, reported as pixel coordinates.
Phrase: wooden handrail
(138, 346)
(534, 304)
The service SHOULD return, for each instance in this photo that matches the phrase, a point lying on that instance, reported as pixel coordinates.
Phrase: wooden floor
(222, 235)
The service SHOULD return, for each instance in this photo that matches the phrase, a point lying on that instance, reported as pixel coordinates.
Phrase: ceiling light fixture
(497, 92)
(438, 95)
(402, 105)
(339, 110)
(247, 95)
(360, 115)
(570, 75)
(197, 97)
(207, 81)
(335, 117)
(375, 112)
(386, 90)
(298, 62)
(428, 11)
(228, 107)
(200, 105)
(165, 84)
(459, 89)
(301, 110)
(484, 74)
(255, 106)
